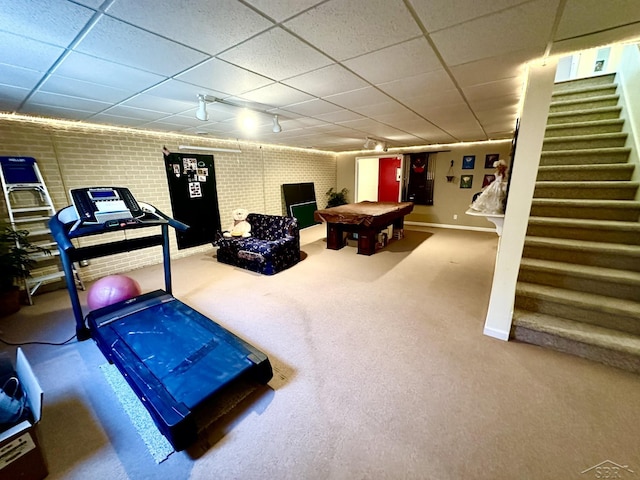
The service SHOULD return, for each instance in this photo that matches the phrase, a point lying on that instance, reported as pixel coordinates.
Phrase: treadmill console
(105, 205)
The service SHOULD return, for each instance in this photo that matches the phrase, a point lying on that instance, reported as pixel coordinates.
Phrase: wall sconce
(450, 176)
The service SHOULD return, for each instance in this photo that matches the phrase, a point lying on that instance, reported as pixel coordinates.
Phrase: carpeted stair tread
(578, 331)
(581, 300)
(598, 168)
(591, 137)
(580, 152)
(584, 271)
(586, 223)
(599, 113)
(584, 246)
(610, 125)
(591, 90)
(586, 82)
(583, 203)
(588, 184)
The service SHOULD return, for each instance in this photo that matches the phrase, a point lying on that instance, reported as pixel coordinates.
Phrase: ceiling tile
(490, 69)
(423, 84)
(276, 94)
(136, 113)
(78, 88)
(182, 91)
(282, 9)
(345, 29)
(326, 81)
(438, 14)
(312, 107)
(339, 116)
(406, 59)
(195, 23)
(56, 22)
(527, 26)
(578, 17)
(428, 101)
(66, 101)
(56, 111)
(121, 43)
(276, 54)
(158, 104)
(500, 88)
(95, 70)
(11, 97)
(24, 78)
(225, 77)
(26, 53)
(358, 98)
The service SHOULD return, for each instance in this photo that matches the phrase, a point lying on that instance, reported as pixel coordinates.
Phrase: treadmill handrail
(65, 225)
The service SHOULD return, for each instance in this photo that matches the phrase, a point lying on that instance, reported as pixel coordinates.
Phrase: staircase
(578, 288)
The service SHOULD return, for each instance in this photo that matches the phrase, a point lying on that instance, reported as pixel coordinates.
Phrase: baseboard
(499, 334)
(452, 227)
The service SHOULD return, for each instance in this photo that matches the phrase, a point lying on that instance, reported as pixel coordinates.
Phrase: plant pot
(9, 301)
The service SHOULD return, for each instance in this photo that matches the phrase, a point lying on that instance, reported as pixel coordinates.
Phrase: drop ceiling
(410, 72)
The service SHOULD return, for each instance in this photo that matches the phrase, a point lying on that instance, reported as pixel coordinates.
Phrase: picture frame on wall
(468, 162)
(490, 158)
(488, 179)
(466, 181)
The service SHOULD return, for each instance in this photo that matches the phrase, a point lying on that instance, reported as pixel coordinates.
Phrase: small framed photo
(468, 162)
(490, 158)
(488, 179)
(466, 181)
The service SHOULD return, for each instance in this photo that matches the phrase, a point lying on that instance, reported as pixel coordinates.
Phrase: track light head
(381, 147)
(276, 125)
(201, 113)
(368, 143)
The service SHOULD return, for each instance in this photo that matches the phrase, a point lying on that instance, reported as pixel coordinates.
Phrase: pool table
(366, 219)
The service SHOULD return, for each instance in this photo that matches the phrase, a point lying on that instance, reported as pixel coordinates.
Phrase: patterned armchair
(274, 245)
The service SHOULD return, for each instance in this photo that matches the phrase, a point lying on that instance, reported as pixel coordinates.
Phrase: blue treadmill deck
(174, 358)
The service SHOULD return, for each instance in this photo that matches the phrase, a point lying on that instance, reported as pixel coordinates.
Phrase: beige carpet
(381, 372)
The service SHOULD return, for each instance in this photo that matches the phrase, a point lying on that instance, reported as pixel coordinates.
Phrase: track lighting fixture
(245, 117)
(276, 125)
(381, 147)
(377, 145)
(201, 113)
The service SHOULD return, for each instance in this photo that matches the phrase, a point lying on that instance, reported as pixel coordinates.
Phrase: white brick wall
(72, 156)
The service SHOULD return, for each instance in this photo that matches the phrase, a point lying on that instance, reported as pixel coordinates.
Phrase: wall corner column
(533, 121)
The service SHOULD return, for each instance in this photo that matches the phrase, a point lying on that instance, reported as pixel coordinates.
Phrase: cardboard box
(21, 456)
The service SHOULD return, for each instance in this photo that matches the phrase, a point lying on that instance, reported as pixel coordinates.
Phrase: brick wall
(71, 155)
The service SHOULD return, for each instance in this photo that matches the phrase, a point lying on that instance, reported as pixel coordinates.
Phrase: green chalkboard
(304, 213)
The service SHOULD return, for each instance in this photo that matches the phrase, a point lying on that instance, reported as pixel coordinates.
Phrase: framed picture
(489, 159)
(468, 162)
(466, 181)
(488, 179)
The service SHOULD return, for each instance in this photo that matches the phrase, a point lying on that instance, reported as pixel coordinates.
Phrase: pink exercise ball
(112, 289)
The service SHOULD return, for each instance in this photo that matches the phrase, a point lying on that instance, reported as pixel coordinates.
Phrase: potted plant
(16, 262)
(337, 198)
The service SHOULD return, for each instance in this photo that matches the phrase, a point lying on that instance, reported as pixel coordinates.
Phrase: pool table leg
(335, 237)
(367, 238)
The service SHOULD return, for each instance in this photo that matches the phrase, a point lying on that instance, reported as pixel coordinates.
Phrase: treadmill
(179, 362)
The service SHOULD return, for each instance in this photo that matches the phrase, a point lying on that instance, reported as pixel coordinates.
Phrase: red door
(388, 179)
